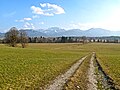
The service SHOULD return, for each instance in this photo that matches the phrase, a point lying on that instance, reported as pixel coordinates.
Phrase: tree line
(15, 36)
(62, 39)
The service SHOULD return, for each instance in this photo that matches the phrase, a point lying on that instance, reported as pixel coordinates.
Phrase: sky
(66, 14)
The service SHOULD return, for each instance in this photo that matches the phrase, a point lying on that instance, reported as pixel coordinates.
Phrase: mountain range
(58, 32)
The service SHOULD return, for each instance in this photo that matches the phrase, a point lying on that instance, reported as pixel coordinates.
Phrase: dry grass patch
(79, 80)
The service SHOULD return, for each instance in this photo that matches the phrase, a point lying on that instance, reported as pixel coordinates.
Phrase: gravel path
(59, 82)
(91, 75)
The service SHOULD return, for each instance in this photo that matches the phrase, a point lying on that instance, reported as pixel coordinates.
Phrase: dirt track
(93, 71)
(59, 82)
(91, 75)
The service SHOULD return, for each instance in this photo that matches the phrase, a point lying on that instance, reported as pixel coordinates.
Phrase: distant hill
(33, 33)
(58, 32)
(98, 32)
(53, 31)
(2, 35)
(93, 32)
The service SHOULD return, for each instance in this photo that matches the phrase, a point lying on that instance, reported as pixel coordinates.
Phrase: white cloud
(28, 25)
(47, 9)
(37, 10)
(48, 14)
(19, 20)
(24, 19)
(56, 9)
(82, 26)
(43, 5)
(27, 19)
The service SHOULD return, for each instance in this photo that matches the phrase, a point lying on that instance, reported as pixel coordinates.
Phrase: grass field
(36, 65)
(109, 58)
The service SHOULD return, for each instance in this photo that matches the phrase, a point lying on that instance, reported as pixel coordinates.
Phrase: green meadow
(35, 66)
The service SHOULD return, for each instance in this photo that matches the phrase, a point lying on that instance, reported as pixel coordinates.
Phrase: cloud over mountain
(28, 25)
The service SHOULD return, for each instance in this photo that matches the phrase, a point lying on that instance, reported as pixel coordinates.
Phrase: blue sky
(67, 14)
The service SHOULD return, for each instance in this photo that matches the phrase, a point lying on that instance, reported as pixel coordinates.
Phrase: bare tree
(11, 36)
(23, 39)
(84, 38)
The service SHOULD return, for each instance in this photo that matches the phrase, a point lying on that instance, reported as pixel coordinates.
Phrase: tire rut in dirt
(104, 82)
(60, 81)
(91, 74)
